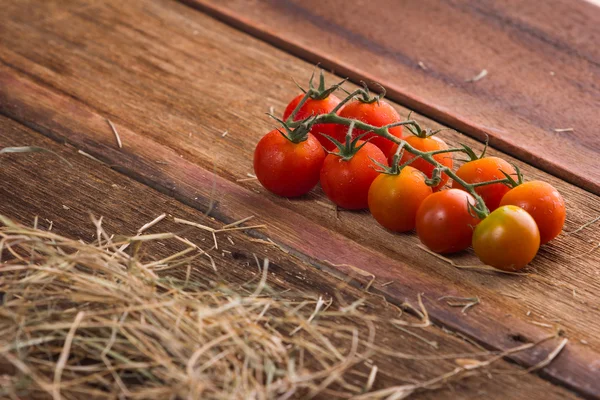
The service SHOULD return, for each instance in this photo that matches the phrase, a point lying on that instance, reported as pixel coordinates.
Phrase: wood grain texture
(69, 195)
(176, 80)
(542, 59)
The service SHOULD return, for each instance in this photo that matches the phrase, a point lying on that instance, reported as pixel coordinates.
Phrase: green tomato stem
(298, 107)
(347, 99)
(503, 181)
(480, 209)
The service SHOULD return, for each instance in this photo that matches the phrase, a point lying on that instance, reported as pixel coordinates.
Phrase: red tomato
(373, 114)
(507, 239)
(286, 168)
(482, 170)
(315, 107)
(431, 143)
(395, 199)
(444, 223)
(543, 202)
(347, 182)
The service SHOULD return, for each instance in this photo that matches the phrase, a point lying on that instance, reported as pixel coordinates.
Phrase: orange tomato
(395, 199)
(431, 143)
(543, 202)
(482, 170)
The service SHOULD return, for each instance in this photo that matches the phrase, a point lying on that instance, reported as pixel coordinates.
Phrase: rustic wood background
(173, 80)
(542, 59)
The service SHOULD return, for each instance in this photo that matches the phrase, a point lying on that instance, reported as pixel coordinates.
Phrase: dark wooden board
(542, 58)
(43, 186)
(176, 80)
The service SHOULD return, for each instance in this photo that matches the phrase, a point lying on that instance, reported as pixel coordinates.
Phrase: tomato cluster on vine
(365, 155)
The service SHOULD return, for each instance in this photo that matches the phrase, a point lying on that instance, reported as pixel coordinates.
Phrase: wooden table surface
(173, 79)
(541, 57)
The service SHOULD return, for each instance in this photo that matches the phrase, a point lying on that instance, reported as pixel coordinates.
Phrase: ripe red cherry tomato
(431, 143)
(347, 182)
(315, 107)
(444, 223)
(395, 199)
(285, 168)
(373, 114)
(483, 170)
(543, 202)
(507, 239)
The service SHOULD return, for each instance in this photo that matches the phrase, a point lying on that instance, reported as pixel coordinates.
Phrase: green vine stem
(480, 209)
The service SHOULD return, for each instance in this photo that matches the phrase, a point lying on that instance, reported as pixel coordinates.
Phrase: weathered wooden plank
(490, 324)
(159, 88)
(542, 59)
(43, 186)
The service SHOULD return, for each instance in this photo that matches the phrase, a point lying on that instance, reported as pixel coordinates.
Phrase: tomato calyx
(350, 147)
(416, 130)
(471, 153)
(298, 134)
(510, 180)
(419, 132)
(321, 92)
(365, 96)
(394, 168)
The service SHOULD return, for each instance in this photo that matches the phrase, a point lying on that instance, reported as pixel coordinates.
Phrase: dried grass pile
(81, 319)
(96, 320)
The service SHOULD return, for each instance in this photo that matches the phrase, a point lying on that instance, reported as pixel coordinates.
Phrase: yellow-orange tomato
(431, 143)
(507, 239)
(543, 202)
(484, 170)
(395, 199)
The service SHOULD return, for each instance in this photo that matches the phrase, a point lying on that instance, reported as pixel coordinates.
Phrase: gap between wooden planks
(137, 80)
(523, 72)
(71, 194)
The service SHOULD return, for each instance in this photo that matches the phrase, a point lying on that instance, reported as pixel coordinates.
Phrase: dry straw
(96, 320)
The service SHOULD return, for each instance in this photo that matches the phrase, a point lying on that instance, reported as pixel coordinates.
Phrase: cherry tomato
(315, 107)
(286, 168)
(543, 202)
(444, 223)
(347, 183)
(373, 114)
(431, 143)
(395, 199)
(483, 170)
(507, 239)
